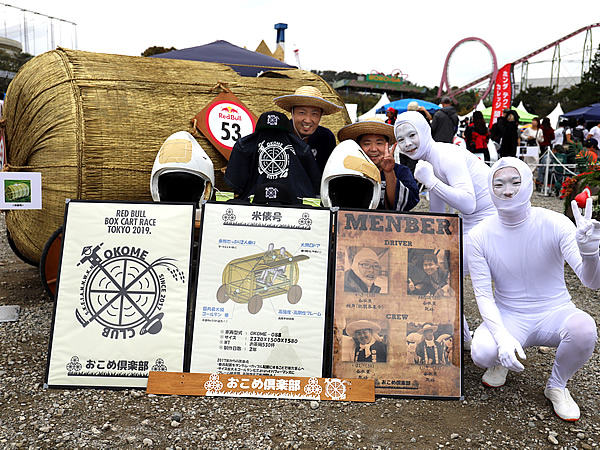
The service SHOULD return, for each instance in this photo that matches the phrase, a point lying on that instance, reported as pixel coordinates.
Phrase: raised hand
(424, 174)
(387, 161)
(588, 229)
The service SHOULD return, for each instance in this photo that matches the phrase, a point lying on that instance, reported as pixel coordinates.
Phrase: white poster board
(20, 190)
(122, 294)
(262, 287)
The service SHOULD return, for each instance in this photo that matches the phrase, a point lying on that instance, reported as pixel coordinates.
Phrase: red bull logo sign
(230, 113)
(224, 121)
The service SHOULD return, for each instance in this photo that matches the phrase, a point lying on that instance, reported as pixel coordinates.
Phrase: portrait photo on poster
(431, 344)
(368, 269)
(429, 272)
(361, 340)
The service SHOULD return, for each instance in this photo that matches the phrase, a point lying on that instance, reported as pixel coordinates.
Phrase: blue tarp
(590, 112)
(400, 105)
(245, 62)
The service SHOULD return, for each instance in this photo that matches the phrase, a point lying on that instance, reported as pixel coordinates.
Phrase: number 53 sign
(225, 120)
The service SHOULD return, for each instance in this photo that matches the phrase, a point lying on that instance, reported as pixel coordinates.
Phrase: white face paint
(407, 138)
(506, 182)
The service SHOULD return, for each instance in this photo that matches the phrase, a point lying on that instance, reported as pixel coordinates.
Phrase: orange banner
(225, 385)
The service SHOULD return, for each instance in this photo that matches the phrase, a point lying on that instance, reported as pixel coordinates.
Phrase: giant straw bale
(92, 124)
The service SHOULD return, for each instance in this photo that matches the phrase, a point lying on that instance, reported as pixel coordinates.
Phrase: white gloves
(507, 346)
(424, 174)
(588, 229)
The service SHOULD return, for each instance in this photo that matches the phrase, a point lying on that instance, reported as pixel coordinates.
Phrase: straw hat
(412, 106)
(353, 327)
(307, 96)
(428, 326)
(373, 125)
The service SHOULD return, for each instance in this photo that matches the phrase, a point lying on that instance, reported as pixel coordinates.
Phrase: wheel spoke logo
(273, 159)
(123, 292)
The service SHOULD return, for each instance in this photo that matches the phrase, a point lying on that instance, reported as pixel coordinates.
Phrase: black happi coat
(273, 155)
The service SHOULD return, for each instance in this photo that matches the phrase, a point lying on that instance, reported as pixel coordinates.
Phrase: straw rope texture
(92, 124)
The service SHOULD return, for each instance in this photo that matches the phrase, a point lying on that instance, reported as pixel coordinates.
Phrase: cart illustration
(253, 278)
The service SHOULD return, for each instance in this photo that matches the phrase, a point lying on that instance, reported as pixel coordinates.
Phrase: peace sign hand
(588, 229)
(387, 161)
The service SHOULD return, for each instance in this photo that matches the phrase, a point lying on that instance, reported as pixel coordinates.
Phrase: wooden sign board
(225, 120)
(293, 388)
(398, 302)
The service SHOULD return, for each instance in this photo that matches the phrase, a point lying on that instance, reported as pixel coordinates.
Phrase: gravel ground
(514, 416)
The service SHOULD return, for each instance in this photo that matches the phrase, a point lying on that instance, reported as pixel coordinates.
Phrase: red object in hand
(582, 197)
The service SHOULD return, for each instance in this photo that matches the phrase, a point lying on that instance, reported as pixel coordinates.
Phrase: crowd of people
(530, 305)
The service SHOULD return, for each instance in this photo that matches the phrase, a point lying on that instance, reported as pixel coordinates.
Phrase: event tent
(524, 116)
(383, 100)
(352, 109)
(554, 116)
(590, 112)
(245, 62)
(521, 107)
(400, 105)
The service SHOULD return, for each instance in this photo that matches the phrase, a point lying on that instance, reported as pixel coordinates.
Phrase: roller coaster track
(492, 75)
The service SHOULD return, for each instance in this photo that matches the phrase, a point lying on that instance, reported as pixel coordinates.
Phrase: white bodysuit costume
(523, 250)
(453, 175)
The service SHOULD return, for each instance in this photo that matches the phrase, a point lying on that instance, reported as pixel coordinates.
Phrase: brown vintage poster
(397, 302)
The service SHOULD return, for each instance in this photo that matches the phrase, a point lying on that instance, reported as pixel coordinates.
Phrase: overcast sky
(413, 37)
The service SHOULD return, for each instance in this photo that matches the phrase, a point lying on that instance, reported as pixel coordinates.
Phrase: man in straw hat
(429, 350)
(523, 250)
(399, 188)
(307, 106)
(369, 347)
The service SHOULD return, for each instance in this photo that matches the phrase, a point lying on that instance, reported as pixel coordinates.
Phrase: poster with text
(262, 287)
(122, 293)
(397, 302)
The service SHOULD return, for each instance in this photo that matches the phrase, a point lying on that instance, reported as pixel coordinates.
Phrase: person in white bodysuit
(453, 175)
(523, 249)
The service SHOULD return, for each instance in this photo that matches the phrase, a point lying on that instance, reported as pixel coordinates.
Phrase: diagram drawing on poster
(253, 278)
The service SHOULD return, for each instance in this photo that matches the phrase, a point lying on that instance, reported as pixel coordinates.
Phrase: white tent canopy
(480, 107)
(352, 109)
(384, 100)
(521, 106)
(555, 114)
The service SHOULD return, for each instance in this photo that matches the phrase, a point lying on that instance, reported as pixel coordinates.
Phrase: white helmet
(182, 171)
(350, 179)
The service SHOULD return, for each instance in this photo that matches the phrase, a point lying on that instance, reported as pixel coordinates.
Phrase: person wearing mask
(307, 106)
(529, 304)
(399, 190)
(453, 175)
